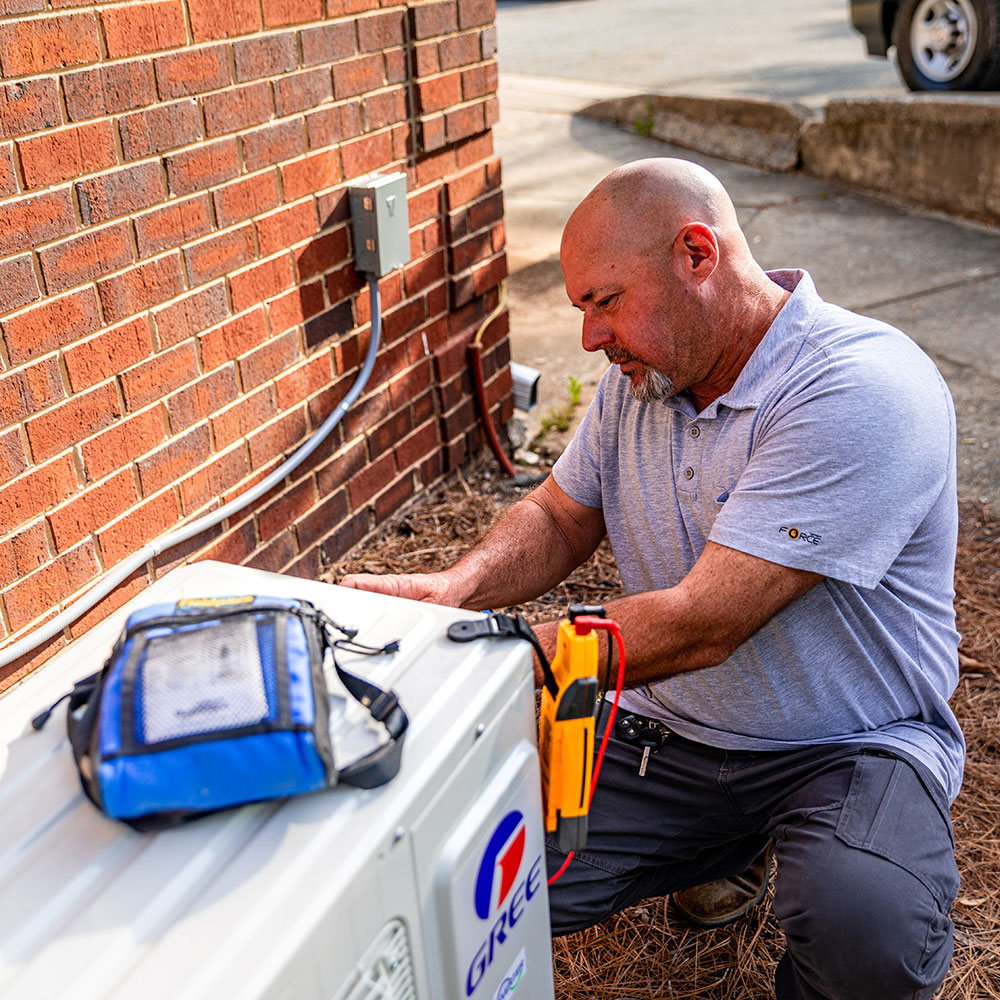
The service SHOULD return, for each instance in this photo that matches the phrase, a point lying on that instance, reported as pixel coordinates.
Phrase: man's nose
(596, 335)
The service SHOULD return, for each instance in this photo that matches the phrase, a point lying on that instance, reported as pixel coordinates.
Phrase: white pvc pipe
(124, 570)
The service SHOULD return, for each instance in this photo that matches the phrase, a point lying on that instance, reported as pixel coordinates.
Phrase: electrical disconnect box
(380, 223)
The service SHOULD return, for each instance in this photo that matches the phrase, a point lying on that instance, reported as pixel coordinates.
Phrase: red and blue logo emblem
(503, 855)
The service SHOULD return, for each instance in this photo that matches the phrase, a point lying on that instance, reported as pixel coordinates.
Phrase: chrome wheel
(943, 36)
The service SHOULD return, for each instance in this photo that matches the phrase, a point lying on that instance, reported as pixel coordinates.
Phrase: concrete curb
(934, 151)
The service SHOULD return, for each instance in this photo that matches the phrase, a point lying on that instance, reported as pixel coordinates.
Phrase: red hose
(475, 356)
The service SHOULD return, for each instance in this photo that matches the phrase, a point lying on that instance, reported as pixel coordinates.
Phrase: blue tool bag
(207, 704)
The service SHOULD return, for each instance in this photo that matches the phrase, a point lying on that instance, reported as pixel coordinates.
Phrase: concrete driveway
(935, 278)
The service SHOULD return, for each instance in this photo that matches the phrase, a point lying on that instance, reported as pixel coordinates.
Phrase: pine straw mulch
(644, 953)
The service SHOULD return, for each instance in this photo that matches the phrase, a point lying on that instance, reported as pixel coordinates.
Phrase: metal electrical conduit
(168, 541)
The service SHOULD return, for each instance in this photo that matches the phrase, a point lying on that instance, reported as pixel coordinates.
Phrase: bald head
(644, 204)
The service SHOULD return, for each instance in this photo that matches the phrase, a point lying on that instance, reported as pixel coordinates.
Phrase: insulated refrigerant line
(124, 570)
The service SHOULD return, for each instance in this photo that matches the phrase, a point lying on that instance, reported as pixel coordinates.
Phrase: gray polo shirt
(833, 452)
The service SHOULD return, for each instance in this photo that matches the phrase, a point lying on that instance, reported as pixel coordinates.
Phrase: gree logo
(504, 851)
(797, 534)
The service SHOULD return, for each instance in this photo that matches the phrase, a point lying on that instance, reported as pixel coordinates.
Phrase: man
(777, 479)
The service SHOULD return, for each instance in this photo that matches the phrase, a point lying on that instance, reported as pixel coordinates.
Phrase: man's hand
(433, 588)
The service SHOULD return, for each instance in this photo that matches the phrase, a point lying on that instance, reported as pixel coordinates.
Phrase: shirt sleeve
(845, 466)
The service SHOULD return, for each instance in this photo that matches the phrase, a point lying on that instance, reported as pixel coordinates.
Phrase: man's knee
(878, 937)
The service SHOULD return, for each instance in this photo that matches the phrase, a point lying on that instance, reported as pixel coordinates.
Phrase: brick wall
(178, 305)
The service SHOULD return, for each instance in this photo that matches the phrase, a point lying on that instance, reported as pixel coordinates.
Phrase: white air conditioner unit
(431, 887)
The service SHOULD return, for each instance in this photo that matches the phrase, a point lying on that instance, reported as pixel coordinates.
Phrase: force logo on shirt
(798, 533)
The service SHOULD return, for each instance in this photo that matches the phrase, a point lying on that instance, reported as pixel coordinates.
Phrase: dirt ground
(645, 952)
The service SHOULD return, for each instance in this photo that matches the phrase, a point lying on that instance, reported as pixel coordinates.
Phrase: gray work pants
(866, 864)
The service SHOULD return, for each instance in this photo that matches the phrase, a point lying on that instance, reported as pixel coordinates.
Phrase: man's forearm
(523, 556)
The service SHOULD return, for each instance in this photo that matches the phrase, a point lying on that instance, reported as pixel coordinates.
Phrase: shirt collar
(779, 346)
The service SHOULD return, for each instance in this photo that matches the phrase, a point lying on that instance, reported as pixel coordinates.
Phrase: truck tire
(948, 44)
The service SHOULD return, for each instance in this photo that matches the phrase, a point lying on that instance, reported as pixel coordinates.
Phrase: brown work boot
(720, 902)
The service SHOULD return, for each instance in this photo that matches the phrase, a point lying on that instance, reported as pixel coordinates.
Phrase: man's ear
(699, 249)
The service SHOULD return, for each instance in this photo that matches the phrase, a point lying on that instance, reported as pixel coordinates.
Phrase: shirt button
(695, 431)
(689, 473)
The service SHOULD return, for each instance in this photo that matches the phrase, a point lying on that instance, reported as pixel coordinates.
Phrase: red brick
(370, 480)
(24, 498)
(368, 153)
(198, 400)
(246, 197)
(391, 499)
(430, 129)
(337, 8)
(222, 18)
(431, 19)
(63, 425)
(202, 167)
(268, 56)
(296, 307)
(213, 479)
(466, 187)
(302, 91)
(439, 92)
(233, 546)
(92, 509)
(24, 552)
(140, 287)
(303, 381)
(106, 353)
(131, 586)
(274, 143)
(57, 156)
(8, 179)
(86, 257)
(276, 555)
(172, 224)
(334, 207)
(328, 43)
(34, 219)
(154, 378)
(30, 389)
(384, 109)
(261, 281)
(34, 45)
(193, 71)
(358, 76)
(291, 11)
(130, 532)
(269, 359)
(13, 460)
(287, 226)
(322, 254)
(122, 443)
(426, 60)
(435, 167)
(335, 322)
(191, 315)
(402, 141)
(169, 463)
(388, 433)
(154, 130)
(28, 106)
(330, 125)
(287, 509)
(343, 283)
(18, 284)
(219, 254)
(473, 150)
(108, 89)
(459, 50)
(379, 31)
(50, 324)
(143, 27)
(121, 192)
(232, 339)
(476, 12)
(314, 173)
(46, 588)
(278, 437)
(237, 108)
(479, 81)
(20, 6)
(242, 417)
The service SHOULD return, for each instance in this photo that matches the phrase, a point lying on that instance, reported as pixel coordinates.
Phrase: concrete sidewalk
(935, 278)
